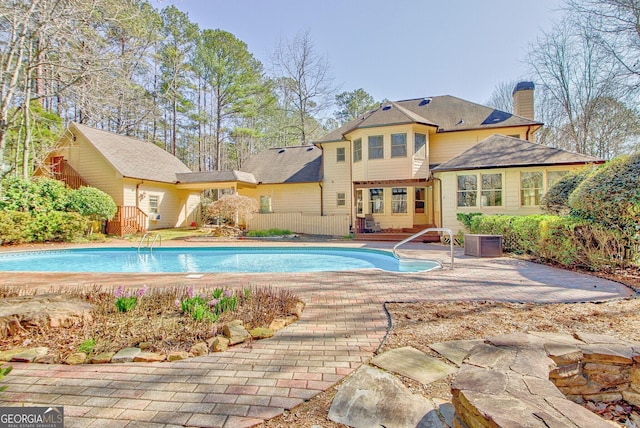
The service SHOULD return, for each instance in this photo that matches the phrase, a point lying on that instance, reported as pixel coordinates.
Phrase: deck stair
(399, 234)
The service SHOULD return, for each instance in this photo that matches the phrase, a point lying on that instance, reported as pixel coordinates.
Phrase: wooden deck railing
(128, 220)
(64, 172)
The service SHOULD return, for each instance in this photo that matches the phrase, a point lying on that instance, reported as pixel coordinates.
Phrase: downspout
(321, 178)
(138, 194)
(528, 132)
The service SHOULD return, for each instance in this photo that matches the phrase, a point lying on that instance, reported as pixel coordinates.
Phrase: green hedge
(567, 241)
(18, 227)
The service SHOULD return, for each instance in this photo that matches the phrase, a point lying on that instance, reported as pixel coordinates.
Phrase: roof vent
(309, 148)
(282, 150)
(460, 122)
(425, 101)
(386, 107)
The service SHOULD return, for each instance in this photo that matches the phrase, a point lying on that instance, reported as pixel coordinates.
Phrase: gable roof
(216, 177)
(500, 151)
(299, 164)
(133, 158)
(445, 112)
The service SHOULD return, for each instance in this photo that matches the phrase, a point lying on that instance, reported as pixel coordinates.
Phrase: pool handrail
(422, 232)
(150, 243)
(154, 241)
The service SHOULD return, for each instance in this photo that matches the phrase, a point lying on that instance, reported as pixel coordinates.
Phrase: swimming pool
(209, 259)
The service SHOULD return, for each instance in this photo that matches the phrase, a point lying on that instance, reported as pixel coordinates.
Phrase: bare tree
(501, 97)
(304, 81)
(574, 76)
(616, 26)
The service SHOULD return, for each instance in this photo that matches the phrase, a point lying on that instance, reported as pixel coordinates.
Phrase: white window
(467, 190)
(420, 140)
(359, 199)
(531, 188)
(153, 205)
(491, 192)
(341, 199)
(398, 145)
(340, 154)
(376, 147)
(357, 150)
(376, 201)
(399, 200)
(265, 204)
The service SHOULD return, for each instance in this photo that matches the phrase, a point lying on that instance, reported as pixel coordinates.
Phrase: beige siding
(92, 166)
(171, 202)
(337, 179)
(388, 167)
(285, 198)
(446, 145)
(510, 199)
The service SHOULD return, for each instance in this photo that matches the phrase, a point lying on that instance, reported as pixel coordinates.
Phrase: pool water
(219, 259)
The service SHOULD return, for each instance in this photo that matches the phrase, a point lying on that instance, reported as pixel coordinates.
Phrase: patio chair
(370, 225)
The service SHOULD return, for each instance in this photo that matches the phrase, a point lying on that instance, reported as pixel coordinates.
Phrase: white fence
(335, 225)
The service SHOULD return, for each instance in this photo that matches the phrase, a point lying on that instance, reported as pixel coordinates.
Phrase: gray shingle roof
(132, 157)
(216, 177)
(300, 164)
(445, 112)
(500, 151)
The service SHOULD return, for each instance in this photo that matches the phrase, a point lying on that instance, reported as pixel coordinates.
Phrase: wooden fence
(334, 225)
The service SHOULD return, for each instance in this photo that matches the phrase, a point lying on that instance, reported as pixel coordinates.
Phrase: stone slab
(415, 364)
(126, 355)
(371, 397)
(550, 337)
(455, 350)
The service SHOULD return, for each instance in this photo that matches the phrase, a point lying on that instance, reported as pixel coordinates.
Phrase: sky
(394, 49)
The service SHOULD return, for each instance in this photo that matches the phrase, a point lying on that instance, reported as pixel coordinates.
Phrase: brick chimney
(523, 100)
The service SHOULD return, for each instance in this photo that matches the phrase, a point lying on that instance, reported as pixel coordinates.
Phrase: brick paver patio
(342, 326)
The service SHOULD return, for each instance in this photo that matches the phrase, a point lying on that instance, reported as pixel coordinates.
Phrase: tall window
(531, 188)
(265, 204)
(419, 199)
(340, 154)
(357, 150)
(398, 145)
(399, 200)
(359, 199)
(553, 177)
(341, 199)
(153, 205)
(376, 147)
(420, 140)
(376, 201)
(467, 190)
(491, 194)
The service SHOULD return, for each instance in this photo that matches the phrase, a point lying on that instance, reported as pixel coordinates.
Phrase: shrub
(230, 206)
(92, 202)
(556, 201)
(467, 218)
(43, 194)
(57, 226)
(610, 195)
(15, 227)
(270, 232)
(567, 241)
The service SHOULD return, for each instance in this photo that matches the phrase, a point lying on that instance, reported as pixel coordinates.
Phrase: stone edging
(537, 379)
(234, 333)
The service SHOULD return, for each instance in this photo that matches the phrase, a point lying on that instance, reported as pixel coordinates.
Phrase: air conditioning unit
(483, 245)
(154, 217)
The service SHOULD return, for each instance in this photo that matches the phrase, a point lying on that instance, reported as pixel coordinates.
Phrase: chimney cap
(524, 86)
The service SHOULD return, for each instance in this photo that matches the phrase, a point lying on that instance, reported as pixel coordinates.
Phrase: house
(410, 164)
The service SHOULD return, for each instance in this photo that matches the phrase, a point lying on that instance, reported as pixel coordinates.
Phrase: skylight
(425, 101)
